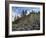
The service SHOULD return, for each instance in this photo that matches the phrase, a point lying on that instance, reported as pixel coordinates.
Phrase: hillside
(29, 22)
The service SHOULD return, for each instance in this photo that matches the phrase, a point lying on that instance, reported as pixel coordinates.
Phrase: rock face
(29, 22)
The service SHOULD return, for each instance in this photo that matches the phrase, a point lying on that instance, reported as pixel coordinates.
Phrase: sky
(18, 10)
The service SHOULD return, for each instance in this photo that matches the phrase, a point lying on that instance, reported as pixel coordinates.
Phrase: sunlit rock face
(15, 16)
(28, 12)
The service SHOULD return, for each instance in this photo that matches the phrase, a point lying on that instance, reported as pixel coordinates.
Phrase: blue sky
(18, 10)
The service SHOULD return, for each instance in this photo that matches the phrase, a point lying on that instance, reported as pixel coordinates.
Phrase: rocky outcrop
(29, 22)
